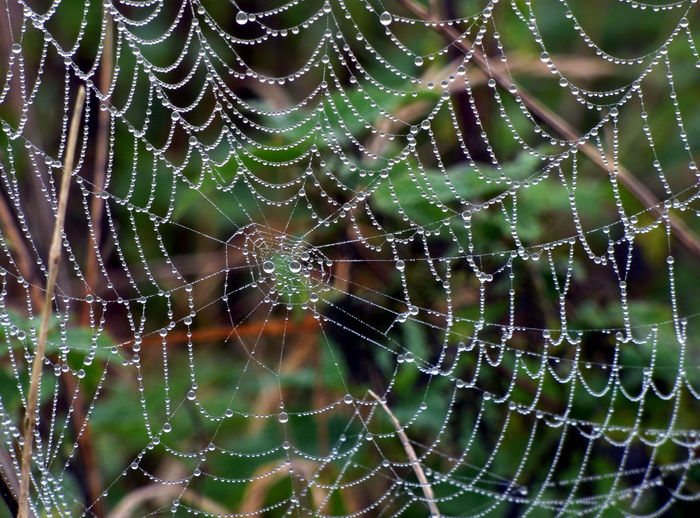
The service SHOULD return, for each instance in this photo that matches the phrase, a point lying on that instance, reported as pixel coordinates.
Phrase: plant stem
(646, 198)
(100, 167)
(417, 468)
(54, 260)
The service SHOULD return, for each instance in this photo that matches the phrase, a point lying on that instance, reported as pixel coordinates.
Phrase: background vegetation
(168, 243)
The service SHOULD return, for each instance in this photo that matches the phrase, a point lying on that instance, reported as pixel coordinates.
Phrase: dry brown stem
(99, 172)
(646, 198)
(54, 261)
(131, 502)
(415, 464)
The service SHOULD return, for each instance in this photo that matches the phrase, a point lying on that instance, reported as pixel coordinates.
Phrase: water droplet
(385, 18)
(348, 399)
(191, 395)
(295, 267)
(418, 61)
(268, 267)
(400, 265)
(283, 417)
(241, 18)
(167, 428)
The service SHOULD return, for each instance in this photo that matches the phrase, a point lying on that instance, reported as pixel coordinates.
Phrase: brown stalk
(267, 475)
(131, 502)
(54, 261)
(267, 328)
(25, 265)
(99, 172)
(415, 464)
(88, 462)
(91, 480)
(685, 235)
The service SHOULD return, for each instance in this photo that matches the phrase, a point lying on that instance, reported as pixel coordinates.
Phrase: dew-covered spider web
(353, 257)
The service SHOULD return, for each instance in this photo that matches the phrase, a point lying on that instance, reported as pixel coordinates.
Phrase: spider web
(280, 209)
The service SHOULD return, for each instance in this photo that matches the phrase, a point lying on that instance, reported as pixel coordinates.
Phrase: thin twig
(273, 327)
(648, 200)
(99, 171)
(54, 260)
(23, 260)
(138, 497)
(93, 481)
(417, 468)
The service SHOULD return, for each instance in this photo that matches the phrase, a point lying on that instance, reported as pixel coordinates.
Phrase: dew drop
(348, 399)
(400, 265)
(295, 267)
(283, 417)
(241, 18)
(268, 267)
(191, 395)
(418, 61)
(385, 18)
(16, 48)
